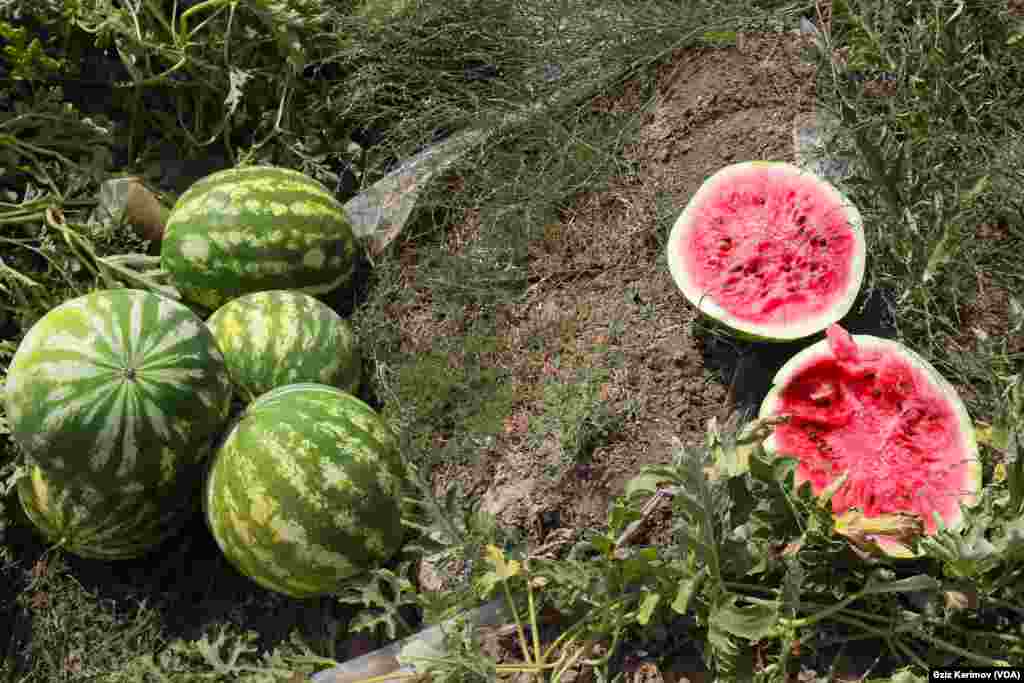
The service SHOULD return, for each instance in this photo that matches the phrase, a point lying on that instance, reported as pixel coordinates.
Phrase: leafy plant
(26, 59)
(223, 654)
(223, 61)
(449, 394)
(576, 414)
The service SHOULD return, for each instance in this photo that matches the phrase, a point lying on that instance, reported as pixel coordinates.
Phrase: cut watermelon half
(770, 251)
(875, 411)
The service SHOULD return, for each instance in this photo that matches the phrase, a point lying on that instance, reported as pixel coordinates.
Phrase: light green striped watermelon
(305, 490)
(117, 394)
(253, 229)
(274, 338)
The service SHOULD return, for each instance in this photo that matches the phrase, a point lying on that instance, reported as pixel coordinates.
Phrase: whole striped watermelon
(254, 229)
(305, 490)
(115, 395)
(90, 519)
(274, 338)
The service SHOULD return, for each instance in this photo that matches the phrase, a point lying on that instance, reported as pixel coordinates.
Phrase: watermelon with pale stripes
(306, 490)
(117, 395)
(256, 228)
(274, 338)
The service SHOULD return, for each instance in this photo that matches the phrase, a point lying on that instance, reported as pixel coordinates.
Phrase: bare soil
(603, 288)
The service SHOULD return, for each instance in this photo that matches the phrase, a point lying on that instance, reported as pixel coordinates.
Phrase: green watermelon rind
(279, 337)
(256, 228)
(771, 406)
(123, 387)
(305, 491)
(743, 329)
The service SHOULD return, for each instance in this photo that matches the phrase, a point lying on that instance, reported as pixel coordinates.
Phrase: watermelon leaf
(963, 556)
(687, 588)
(643, 484)
(735, 661)
(1012, 545)
(647, 607)
(752, 622)
(382, 595)
(792, 586)
(940, 253)
(223, 655)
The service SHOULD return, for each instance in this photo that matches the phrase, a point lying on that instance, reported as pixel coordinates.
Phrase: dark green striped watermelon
(253, 229)
(274, 338)
(116, 395)
(305, 490)
(92, 520)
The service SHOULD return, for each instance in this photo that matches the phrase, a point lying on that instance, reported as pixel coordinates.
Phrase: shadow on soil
(748, 367)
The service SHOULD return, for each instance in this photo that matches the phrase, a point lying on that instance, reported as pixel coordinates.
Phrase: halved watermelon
(770, 251)
(874, 410)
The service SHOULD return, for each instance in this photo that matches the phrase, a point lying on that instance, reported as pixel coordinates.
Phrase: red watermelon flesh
(770, 250)
(875, 410)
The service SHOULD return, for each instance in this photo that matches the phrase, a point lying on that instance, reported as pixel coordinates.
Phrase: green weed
(575, 414)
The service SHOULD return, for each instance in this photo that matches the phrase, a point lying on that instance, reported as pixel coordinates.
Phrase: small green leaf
(979, 186)
(222, 654)
(752, 622)
(939, 254)
(993, 436)
(791, 586)
(687, 588)
(645, 482)
(783, 467)
(603, 545)
(647, 607)
(619, 517)
(1012, 544)
(762, 467)
(956, 13)
(1016, 314)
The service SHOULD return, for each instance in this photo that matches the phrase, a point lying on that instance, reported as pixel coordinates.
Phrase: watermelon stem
(148, 279)
(829, 611)
(99, 266)
(533, 619)
(856, 618)
(889, 636)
